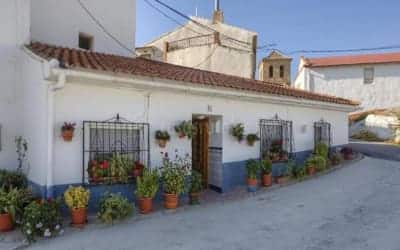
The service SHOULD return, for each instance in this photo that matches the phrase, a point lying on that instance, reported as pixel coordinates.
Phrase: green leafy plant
(147, 185)
(237, 131)
(162, 135)
(322, 150)
(120, 168)
(13, 179)
(173, 174)
(317, 161)
(13, 202)
(185, 128)
(114, 207)
(42, 219)
(252, 168)
(251, 139)
(266, 166)
(298, 171)
(336, 158)
(196, 182)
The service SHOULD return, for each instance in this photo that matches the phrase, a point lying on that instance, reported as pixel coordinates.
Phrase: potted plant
(183, 129)
(7, 208)
(146, 188)
(77, 199)
(114, 207)
(266, 171)
(336, 159)
(42, 219)
(283, 175)
(347, 153)
(173, 177)
(311, 165)
(276, 150)
(252, 167)
(237, 131)
(196, 186)
(321, 149)
(137, 169)
(67, 131)
(320, 163)
(251, 139)
(162, 138)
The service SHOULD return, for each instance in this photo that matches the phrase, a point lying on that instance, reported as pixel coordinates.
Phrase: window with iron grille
(276, 139)
(113, 150)
(322, 132)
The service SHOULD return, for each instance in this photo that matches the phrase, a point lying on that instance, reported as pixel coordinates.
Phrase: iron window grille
(276, 133)
(112, 149)
(322, 133)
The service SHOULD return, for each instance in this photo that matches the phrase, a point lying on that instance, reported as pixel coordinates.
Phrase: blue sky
(291, 24)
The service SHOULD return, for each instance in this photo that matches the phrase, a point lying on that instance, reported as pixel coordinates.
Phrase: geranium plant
(67, 131)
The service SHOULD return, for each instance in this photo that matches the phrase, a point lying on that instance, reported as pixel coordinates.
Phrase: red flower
(104, 165)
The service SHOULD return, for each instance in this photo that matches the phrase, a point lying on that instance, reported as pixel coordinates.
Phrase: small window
(281, 71)
(271, 71)
(369, 75)
(85, 41)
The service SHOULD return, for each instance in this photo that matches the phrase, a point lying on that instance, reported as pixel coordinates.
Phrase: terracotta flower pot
(6, 223)
(170, 201)
(194, 198)
(311, 170)
(251, 185)
(251, 143)
(162, 143)
(281, 180)
(68, 135)
(78, 216)
(145, 205)
(137, 172)
(348, 157)
(267, 180)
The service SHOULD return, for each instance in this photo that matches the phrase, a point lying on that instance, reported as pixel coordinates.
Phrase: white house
(372, 79)
(119, 102)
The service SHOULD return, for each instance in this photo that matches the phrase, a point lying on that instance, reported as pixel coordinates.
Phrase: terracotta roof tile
(79, 59)
(353, 60)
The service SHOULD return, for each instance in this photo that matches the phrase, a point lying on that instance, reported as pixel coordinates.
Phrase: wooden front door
(200, 148)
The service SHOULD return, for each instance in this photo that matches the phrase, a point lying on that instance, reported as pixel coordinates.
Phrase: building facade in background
(372, 79)
(213, 45)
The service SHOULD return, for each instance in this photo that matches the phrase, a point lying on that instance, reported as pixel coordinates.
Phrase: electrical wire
(101, 26)
(389, 47)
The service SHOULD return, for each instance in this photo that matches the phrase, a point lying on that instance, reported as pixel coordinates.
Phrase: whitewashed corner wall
(77, 102)
(14, 26)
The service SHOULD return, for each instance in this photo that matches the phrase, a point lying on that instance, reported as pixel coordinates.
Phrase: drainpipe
(52, 88)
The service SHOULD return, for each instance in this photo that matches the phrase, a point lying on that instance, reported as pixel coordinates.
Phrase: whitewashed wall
(348, 82)
(14, 26)
(59, 23)
(163, 110)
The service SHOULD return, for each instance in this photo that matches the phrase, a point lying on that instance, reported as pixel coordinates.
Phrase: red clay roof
(353, 60)
(87, 60)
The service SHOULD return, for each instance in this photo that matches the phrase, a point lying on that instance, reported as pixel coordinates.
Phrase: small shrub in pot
(196, 186)
(162, 138)
(184, 129)
(12, 202)
(67, 131)
(266, 171)
(252, 168)
(146, 188)
(114, 207)
(77, 199)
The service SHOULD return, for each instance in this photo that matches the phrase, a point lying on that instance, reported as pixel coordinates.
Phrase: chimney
(218, 15)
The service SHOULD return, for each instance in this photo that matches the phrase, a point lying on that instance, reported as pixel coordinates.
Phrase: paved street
(357, 207)
(377, 150)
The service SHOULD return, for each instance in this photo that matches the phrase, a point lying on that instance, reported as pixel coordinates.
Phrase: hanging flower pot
(67, 131)
(6, 222)
(237, 131)
(251, 139)
(162, 138)
(184, 129)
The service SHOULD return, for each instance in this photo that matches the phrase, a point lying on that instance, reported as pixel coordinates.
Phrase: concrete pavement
(357, 207)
